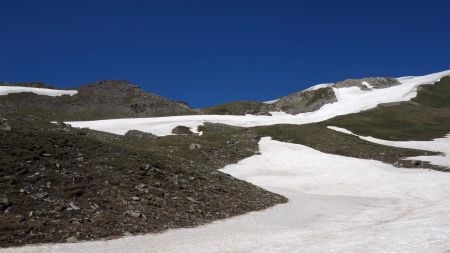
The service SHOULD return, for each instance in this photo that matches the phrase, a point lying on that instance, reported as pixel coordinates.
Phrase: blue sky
(210, 52)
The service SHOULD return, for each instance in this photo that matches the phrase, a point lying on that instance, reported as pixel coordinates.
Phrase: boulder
(195, 146)
(140, 134)
(4, 125)
(181, 130)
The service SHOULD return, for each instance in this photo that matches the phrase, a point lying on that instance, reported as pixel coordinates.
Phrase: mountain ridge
(120, 99)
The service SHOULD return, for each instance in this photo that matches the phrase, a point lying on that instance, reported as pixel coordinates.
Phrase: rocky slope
(305, 101)
(59, 184)
(99, 100)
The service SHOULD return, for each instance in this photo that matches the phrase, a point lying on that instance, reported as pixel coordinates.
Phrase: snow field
(336, 204)
(5, 90)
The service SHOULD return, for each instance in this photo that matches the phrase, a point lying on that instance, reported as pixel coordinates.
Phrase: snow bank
(271, 101)
(5, 90)
(336, 204)
(368, 85)
(318, 86)
(437, 145)
(350, 100)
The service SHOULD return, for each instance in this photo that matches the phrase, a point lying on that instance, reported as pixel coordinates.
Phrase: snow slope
(5, 90)
(336, 204)
(438, 145)
(350, 100)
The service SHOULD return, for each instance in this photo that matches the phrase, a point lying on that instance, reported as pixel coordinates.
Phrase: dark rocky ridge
(99, 100)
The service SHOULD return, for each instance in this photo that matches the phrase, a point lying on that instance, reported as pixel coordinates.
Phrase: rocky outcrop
(99, 100)
(140, 134)
(306, 101)
(368, 83)
(181, 130)
(299, 102)
(240, 108)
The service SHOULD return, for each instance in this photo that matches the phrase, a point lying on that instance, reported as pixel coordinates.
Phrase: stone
(4, 203)
(181, 130)
(134, 214)
(4, 125)
(71, 239)
(73, 206)
(140, 134)
(195, 146)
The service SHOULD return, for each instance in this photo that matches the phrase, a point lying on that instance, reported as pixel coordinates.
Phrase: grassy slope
(423, 118)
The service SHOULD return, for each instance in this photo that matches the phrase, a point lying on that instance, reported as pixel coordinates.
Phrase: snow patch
(5, 90)
(271, 101)
(441, 145)
(367, 85)
(318, 86)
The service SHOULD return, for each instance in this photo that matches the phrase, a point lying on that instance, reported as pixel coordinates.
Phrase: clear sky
(210, 52)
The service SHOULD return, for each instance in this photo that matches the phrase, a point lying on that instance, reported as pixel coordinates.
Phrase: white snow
(318, 86)
(5, 90)
(336, 204)
(367, 85)
(437, 145)
(271, 101)
(350, 100)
